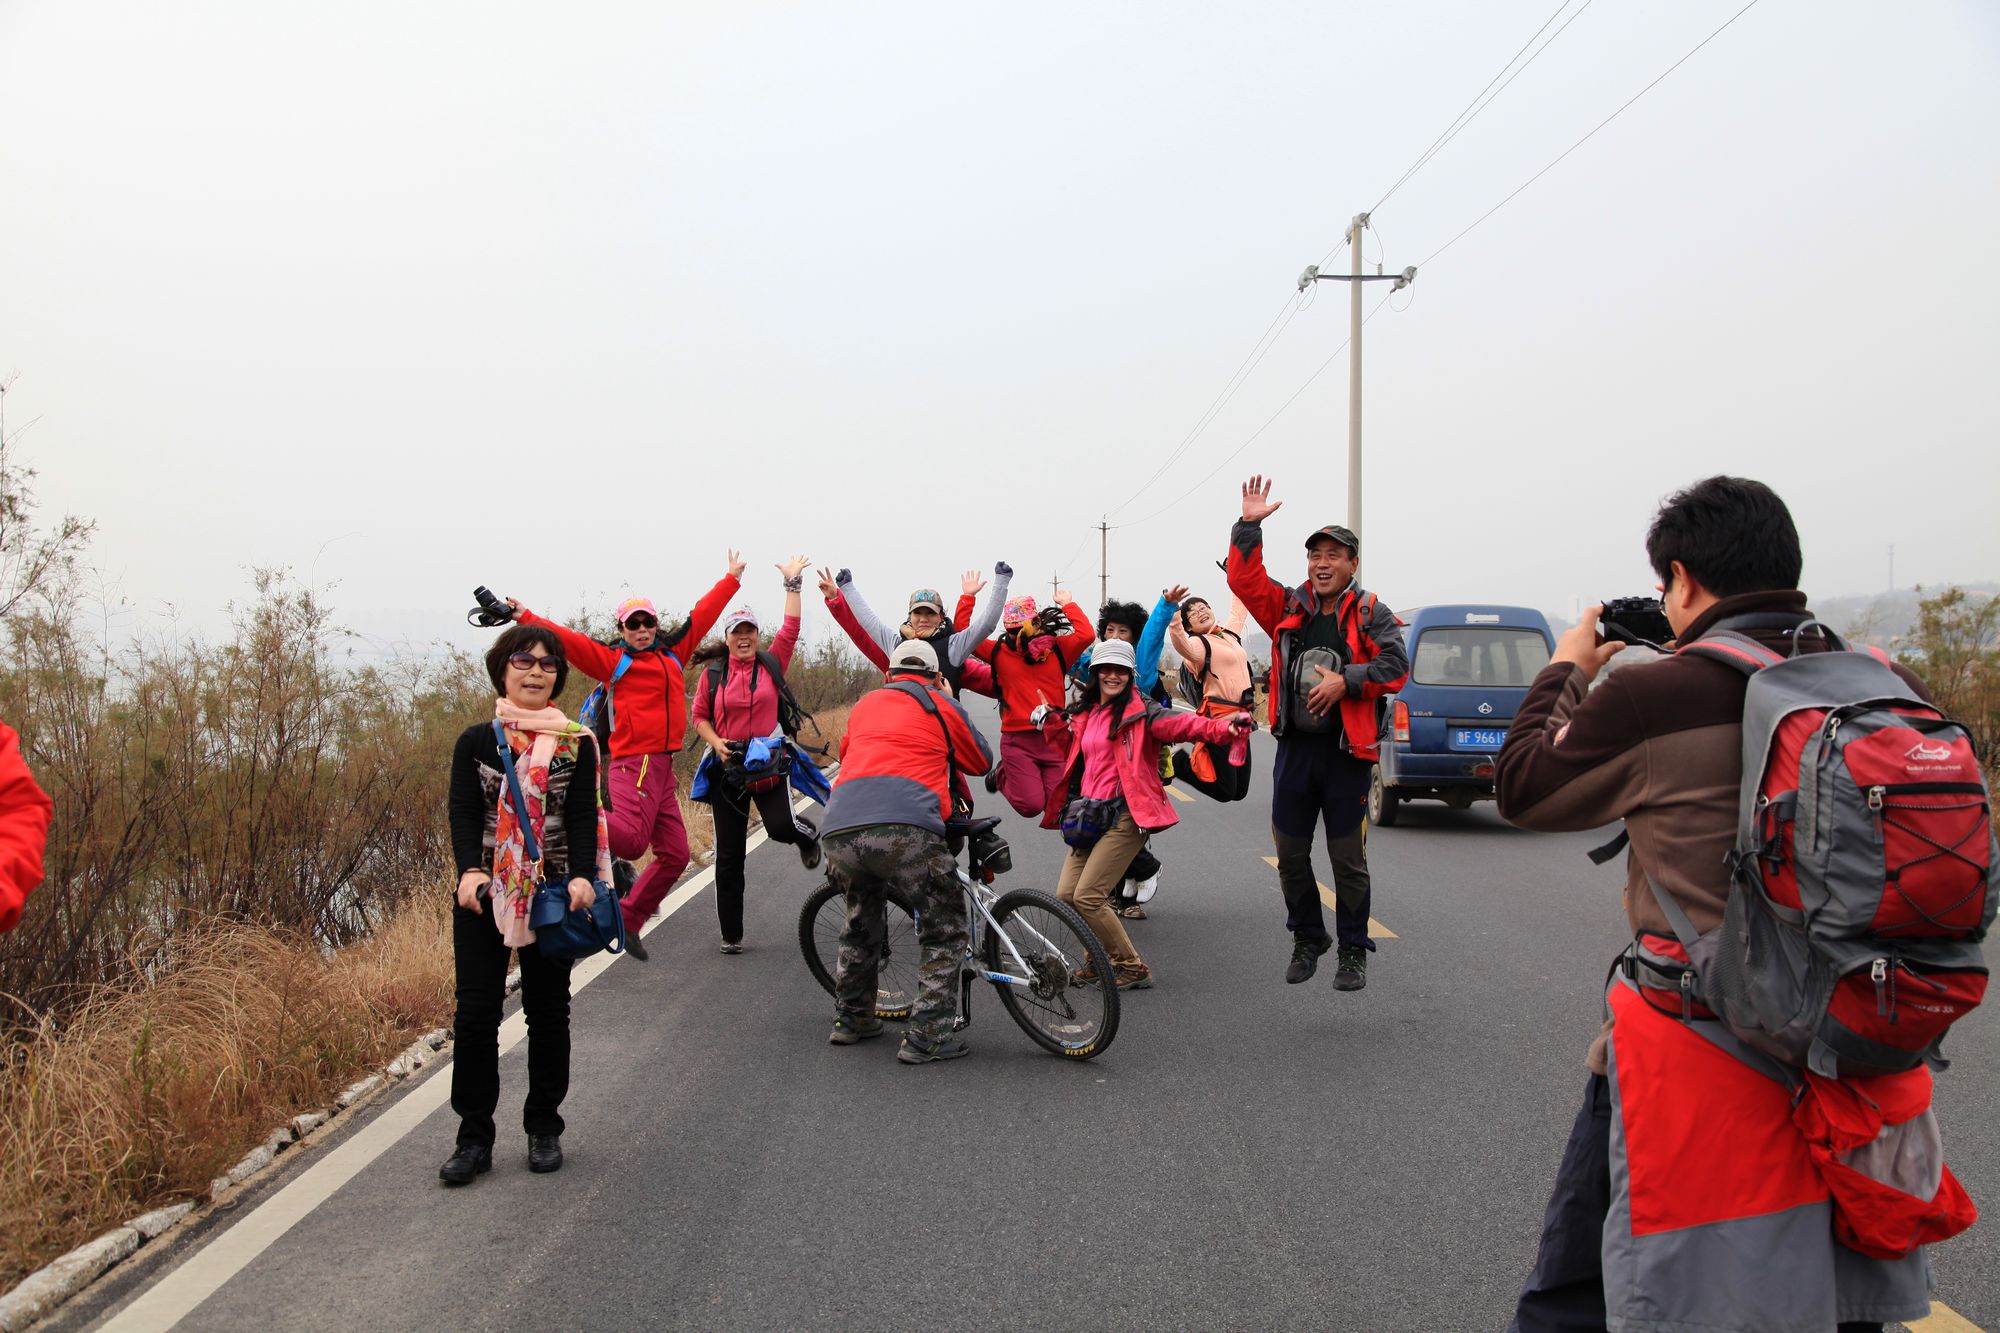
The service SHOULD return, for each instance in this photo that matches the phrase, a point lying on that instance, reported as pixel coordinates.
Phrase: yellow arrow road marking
(1942, 1319)
(1376, 930)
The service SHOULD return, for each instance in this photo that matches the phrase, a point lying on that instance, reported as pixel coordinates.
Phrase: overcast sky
(569, 299)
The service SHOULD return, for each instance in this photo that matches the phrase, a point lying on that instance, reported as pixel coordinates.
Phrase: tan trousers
(1090, 878)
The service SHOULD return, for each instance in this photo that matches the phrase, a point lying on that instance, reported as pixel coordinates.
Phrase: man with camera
(1335, 651)
(1703, 1211)
(905, 746)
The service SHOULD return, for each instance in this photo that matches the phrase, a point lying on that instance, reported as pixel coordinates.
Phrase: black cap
(1342, 535)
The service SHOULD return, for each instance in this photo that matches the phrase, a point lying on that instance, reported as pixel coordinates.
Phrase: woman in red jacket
(24, 829)
(1029, 661)
(744, 709)
(1112, 776)
(648, 720)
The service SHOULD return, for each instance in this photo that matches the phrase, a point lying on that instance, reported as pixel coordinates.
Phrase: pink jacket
(1141, 732)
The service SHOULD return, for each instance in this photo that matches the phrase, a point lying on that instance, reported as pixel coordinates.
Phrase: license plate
(1478, 738)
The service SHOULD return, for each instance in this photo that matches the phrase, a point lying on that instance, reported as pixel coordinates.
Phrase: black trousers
(1232, 783)
(1316, 783)
(1565, 1292)
(732, 831)
(481, 961)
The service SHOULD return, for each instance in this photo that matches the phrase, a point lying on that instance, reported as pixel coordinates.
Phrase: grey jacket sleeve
(1392, 660)
(865, 616)
(988, 616)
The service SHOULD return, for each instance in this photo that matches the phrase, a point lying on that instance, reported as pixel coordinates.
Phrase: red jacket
(1019, 684)
(649, 702)
(1378, 662)
(24, 829)
(895, 764)
(1140, 734)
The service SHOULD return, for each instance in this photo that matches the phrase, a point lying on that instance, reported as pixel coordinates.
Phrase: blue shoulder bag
(560, 931)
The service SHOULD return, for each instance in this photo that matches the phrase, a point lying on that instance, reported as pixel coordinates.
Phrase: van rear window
(1492, 658)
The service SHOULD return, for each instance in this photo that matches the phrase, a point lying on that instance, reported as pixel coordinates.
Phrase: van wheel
(1383, 802)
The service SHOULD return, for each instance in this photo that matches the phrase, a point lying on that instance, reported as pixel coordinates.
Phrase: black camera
(491, 610)
(1635, 620)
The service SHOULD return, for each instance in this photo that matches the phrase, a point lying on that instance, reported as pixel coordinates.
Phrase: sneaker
(1305, 960)
(853, 1031)
(1144, 889)
(544, 1153)
(1352, 974)
(732, 946)
(1083, 976)
(809, 853)
(916, 1051)
(1139, 978)
(467, 1161)
(634, 945)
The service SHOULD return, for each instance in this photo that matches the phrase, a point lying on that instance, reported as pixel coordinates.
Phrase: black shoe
(809, 855)
(852, 1031)
(544, 1153)
(1305, 959)
(993, 778)
(634, 945)
(1352, 974)
(916, 1051)
(623, 876)
(732, 946)
(469, 1160)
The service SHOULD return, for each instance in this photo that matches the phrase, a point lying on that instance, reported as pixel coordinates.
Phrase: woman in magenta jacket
(1111, 743)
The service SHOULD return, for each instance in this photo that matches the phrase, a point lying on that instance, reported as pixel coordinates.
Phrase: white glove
(1041, 712)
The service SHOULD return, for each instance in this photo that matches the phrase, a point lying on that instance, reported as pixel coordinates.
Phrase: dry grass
(147, 1092)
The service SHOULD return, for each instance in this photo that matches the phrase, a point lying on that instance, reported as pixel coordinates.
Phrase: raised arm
(1154, 637)
(842, 612)
(711, 606)
(786, 642)
(988, 617)
(1263, 595)
(1081, 635)
(586, 654)
(885, 636)
(1238, 615)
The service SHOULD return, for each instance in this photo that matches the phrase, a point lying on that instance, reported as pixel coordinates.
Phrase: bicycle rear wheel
(822, 919)
(1068, 1002)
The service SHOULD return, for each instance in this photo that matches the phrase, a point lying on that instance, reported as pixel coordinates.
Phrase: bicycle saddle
(972, 828)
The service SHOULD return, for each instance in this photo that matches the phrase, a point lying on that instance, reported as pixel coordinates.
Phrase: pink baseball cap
(631, 604)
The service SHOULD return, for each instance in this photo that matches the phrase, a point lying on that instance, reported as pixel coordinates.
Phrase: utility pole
(1355, 277)
(1055, 583)
(1103, 563)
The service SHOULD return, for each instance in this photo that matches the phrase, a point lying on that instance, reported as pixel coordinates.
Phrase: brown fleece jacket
(1659, 745)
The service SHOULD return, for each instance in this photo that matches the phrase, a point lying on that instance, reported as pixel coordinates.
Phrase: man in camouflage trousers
(906, 745)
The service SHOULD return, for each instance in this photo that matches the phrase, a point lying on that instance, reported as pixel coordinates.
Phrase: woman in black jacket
(555, 761)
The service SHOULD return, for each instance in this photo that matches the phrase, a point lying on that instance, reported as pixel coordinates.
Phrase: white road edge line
(175, 1296)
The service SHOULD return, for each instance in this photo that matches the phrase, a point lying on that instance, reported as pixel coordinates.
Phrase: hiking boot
(993, 778)
(634, 945)
(467, 1161)
(1138, 978)
(544, 1153)
(732, 946)
(1305, 959)
(1352, 974)
(916, 1051)
(854, 1031)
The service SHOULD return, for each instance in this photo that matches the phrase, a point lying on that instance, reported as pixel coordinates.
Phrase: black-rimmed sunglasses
(641, 621)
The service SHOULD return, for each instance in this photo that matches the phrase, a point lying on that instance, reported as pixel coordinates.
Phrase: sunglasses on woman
(642, 622)
(530, 662)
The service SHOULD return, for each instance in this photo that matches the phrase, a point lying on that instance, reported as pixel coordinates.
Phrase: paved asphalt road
(1248, 1154)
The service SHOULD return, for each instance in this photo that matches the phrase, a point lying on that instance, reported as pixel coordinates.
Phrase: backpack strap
(530, 845)
(1731, 649)
(923, 697)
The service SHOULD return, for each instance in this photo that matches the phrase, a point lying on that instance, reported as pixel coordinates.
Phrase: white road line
(168, 1301)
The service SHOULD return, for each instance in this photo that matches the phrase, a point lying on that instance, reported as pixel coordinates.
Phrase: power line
(1587, 138)
(1475, 106)
(1268, 423)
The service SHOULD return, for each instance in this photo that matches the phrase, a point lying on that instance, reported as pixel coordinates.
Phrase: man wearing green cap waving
(1335, 651)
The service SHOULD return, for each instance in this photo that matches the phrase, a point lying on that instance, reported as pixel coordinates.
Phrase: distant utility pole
(1055, 585)
(1355, 277)
(1103, 563)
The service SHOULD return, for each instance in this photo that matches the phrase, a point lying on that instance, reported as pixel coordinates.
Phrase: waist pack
(1085, 820)
(1864, 872)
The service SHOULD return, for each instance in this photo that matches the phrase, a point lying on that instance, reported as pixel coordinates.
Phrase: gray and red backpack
(1864, 874)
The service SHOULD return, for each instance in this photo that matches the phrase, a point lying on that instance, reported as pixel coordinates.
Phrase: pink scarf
(515, 877)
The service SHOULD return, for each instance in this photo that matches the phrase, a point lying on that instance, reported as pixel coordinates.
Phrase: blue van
(1469, 668)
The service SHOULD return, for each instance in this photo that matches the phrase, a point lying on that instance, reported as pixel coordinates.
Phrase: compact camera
(1635, 620)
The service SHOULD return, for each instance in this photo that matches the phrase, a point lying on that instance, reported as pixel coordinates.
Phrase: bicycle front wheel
(1066, 1001)
(822, 919)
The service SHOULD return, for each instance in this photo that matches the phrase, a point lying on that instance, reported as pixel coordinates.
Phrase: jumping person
(648, 720)
(555, 761)
(1219, 664)
(746, 707)
(1028, 662)
(974, 675)
(885, 827)
(1147, 634)
(1109, 796)
(926, 621)
(1335, 650)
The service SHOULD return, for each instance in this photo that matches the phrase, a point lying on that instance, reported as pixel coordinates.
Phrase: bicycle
(1051, 972)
